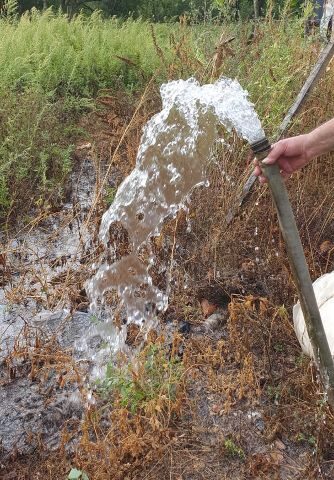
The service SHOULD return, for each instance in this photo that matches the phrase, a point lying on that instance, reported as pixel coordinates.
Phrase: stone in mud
(214, 321)
(184, 328)
(213, 325)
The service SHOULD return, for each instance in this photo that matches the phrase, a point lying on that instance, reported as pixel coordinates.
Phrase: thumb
(278, 149)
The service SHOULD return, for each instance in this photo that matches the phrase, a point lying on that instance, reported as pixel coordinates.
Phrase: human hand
(290, 154)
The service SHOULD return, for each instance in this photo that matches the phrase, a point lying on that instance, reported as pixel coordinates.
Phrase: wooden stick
(324, 59)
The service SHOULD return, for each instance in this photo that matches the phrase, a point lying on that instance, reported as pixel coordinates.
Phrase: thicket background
(166, 10)
(53, 66)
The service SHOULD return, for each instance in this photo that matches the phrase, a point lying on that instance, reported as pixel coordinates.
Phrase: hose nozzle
(261, 148)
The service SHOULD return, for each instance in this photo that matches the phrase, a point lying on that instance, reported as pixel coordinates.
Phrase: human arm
(293, 153)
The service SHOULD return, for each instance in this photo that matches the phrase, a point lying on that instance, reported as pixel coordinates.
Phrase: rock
(212, 324)
(256, 418)
(214, 321)
(208, 308)
(279, 445)
(184, 328)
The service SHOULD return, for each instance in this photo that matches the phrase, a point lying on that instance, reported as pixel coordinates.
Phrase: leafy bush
(50, 69)
(46, 51)
(154, 378)
(35, 158)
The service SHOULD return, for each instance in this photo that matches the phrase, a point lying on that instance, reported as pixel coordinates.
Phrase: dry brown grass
(34, 354)
(134, 439)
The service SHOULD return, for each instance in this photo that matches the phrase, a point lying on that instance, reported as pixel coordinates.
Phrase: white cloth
(324, 294)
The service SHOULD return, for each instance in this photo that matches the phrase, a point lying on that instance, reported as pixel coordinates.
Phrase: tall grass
(272, 60)
(48, 62)
(81, 56)
(48, 52)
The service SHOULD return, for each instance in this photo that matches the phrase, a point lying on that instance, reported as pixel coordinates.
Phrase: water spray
(169, 166)
(315, 329)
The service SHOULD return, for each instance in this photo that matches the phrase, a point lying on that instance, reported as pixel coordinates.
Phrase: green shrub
(35, 158)
(232, 450)
(153, 377)
(48, 52)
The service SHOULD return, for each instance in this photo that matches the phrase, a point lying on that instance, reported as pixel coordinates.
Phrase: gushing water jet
(171, 162)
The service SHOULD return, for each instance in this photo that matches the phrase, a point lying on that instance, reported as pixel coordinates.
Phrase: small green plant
(305, 438)
(279, 347)
(274, 393)
(110, 195)
(152, 376)
(302, 360)
(232, 450)
(35, 156)
(77, 475)
(282, 312)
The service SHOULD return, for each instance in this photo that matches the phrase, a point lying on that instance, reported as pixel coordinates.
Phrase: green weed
(152, 377)
(279, 347)
(274, 393)
(232, 450)
(48, 52)
(35, 156)
(110, 195)
(306, 438)
(50, 71)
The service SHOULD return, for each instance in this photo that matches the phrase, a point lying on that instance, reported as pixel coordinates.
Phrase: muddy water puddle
(43, 314)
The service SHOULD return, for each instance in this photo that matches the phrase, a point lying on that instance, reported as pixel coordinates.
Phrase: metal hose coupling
(261, 148)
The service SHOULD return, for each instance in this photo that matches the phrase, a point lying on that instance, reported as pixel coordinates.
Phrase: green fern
(10, 9)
